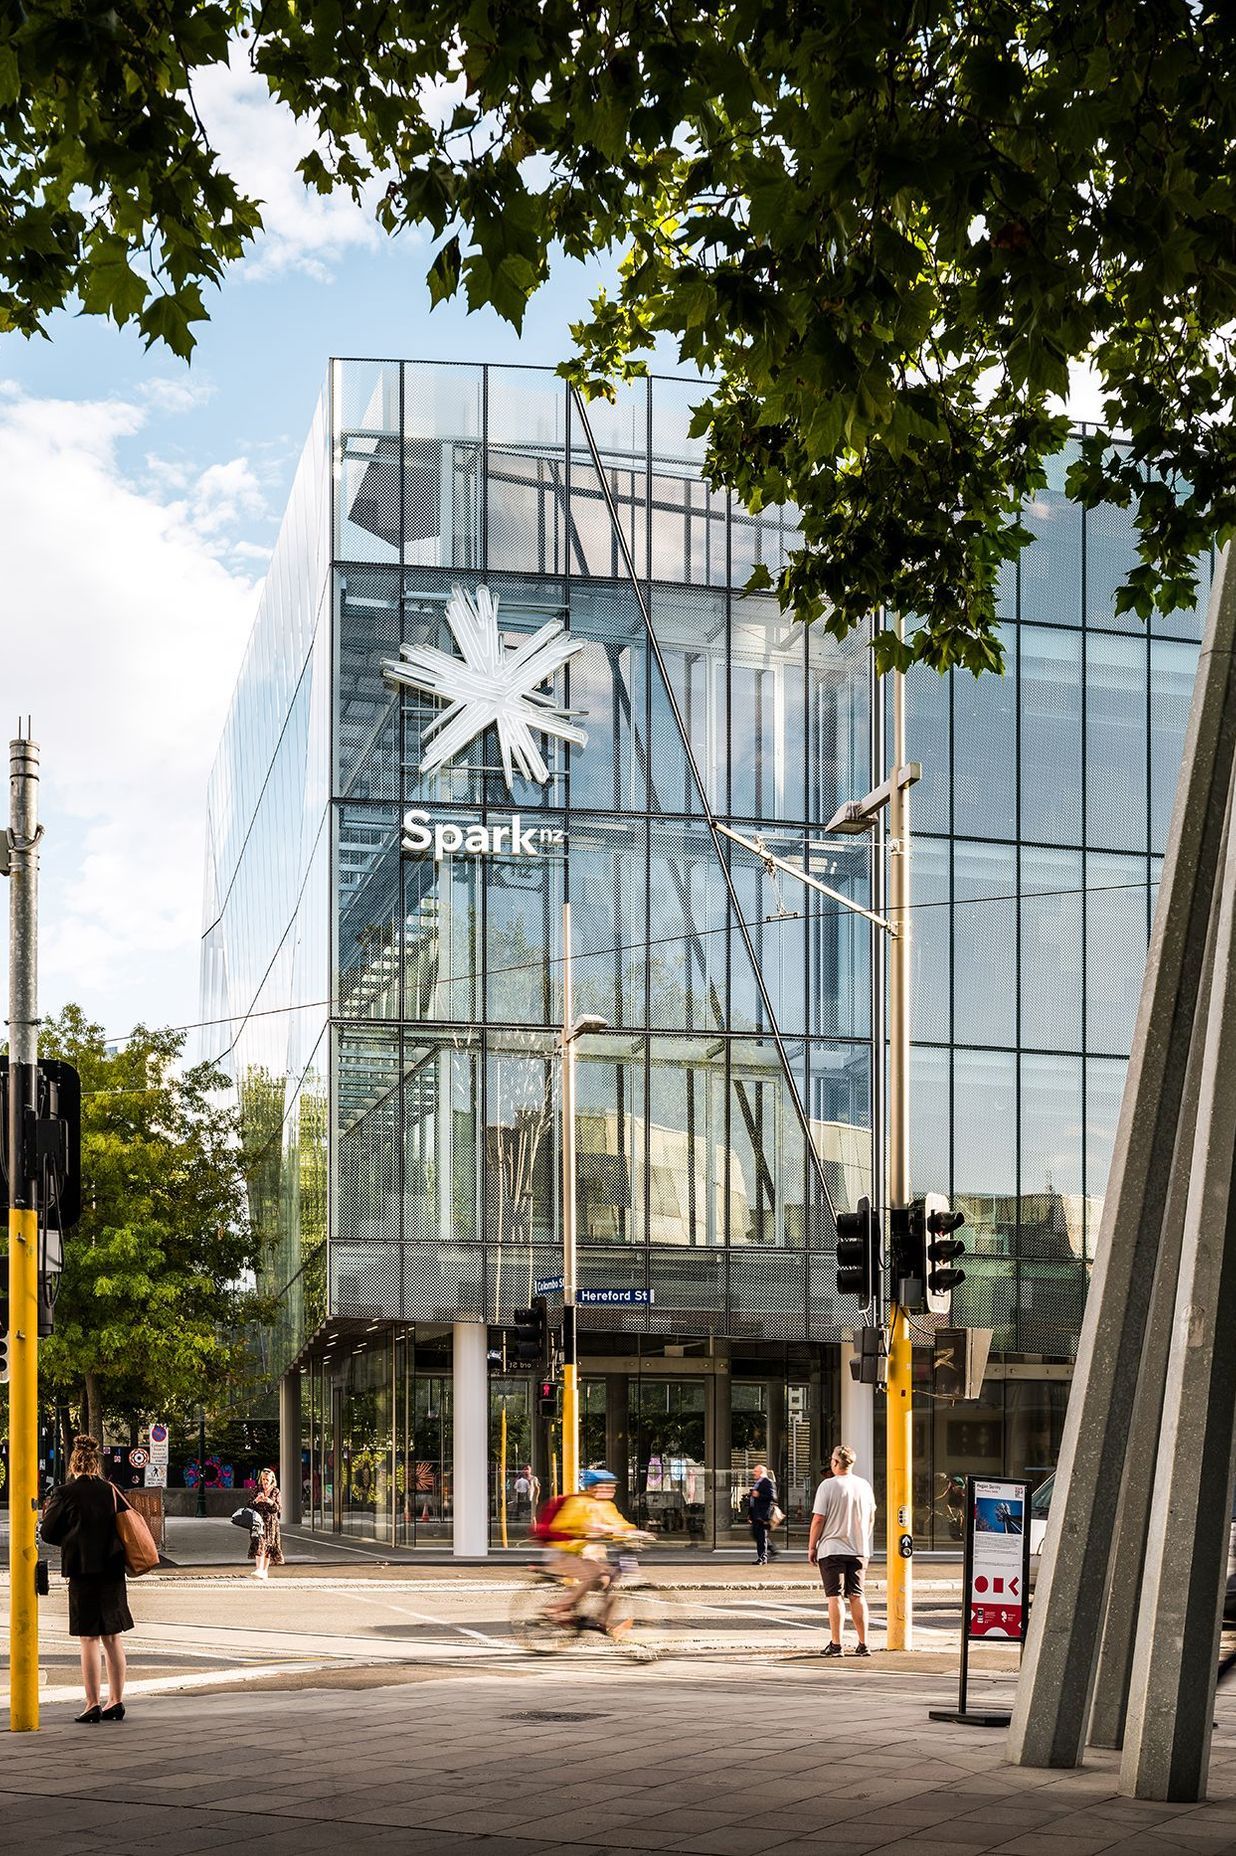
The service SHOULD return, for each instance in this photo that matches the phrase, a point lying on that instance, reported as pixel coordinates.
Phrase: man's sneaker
(862, 1650)
(833, 1649)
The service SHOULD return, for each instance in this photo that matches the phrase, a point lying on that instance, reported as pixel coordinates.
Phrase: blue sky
(142, 497)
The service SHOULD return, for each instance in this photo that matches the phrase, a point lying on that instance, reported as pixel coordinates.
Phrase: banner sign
(997, 1560)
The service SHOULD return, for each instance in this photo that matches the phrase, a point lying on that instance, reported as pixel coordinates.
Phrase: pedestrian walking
(266, 1547)
(842, 1525)
(760, 1505)
(80, 1519)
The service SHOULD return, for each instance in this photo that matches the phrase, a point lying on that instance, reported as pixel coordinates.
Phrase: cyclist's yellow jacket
(582, 1521)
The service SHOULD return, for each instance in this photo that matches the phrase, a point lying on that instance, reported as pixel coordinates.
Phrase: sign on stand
(995, 1586)
(156, 1468)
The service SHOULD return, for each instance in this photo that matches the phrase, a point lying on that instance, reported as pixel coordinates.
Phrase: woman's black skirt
(98, 1607)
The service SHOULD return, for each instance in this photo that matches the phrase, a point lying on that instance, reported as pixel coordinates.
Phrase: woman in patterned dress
(266, 1548)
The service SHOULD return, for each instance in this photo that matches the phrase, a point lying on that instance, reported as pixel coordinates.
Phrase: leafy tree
(153, 1295)
(884, 231)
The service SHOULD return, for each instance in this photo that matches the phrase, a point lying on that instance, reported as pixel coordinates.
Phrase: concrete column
(857, 1416)
(470, 1468)
(1055, 1688)
(1143, 1467)
(618, 1435)
(774, 1405)
(717, 1445)
(289, 1445)
(1172, 1689)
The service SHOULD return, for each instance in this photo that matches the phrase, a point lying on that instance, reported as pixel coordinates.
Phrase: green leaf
(443, 276)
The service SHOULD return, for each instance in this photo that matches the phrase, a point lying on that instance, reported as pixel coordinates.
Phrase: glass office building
(389, 859)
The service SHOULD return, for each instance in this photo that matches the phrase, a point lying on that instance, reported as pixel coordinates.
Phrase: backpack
(543, 1529)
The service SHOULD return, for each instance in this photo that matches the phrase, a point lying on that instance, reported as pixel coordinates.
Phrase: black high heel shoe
(114, 1713)
(90, 1718)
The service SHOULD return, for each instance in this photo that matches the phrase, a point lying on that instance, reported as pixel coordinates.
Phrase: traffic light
(858, 1253)
(870, 1364)
(906, 1255)
(4, 1342)
(531, 1352)
(547, 1398)
(941, 1250)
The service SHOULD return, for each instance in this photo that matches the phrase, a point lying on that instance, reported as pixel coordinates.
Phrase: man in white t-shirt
(842, 1523)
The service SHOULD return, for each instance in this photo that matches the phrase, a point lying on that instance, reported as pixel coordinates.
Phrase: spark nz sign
(445, 837)
(495, 681)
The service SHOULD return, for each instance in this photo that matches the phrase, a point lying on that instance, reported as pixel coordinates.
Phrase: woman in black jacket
(80, 1519)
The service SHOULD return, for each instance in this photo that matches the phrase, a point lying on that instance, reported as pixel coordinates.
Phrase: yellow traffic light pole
(899, 1428)
(23, 868)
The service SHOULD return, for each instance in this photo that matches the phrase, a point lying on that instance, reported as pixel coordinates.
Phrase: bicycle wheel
(645, 1622)
(531, 1625)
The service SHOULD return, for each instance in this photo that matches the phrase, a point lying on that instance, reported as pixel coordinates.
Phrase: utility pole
(570, 1371)
(23, 869)
(572, 1028)
(899, 1423)
(853, 818)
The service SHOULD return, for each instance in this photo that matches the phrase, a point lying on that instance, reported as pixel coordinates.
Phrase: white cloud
(260, 142)
(122, 636)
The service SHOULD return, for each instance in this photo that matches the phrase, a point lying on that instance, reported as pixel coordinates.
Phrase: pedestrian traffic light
(547, 1398)
(869, 1365)
(906, 1255)
(532, 1337)
(858, 1252)
(941, 1250)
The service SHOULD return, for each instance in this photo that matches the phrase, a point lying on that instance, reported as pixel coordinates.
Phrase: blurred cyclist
(584, 1527)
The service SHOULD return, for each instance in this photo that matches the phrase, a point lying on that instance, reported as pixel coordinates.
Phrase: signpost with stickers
(995, 1587)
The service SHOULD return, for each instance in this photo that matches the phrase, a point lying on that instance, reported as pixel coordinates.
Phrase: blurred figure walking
(80, 1519)
(760, 1504)
(266, 1548)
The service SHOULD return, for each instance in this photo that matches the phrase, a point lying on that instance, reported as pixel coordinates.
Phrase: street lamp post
(572, 1028)
(852, 818)
(858, 816)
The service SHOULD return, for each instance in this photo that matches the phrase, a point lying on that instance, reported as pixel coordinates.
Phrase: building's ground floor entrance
(386, 1423)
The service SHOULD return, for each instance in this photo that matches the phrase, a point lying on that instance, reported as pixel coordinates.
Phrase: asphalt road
(231, 1626)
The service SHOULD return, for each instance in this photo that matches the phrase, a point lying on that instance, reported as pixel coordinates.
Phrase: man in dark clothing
(762, 1501)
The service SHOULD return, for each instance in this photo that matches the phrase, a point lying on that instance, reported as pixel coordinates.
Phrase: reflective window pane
(1116, 743)
(1051, 735)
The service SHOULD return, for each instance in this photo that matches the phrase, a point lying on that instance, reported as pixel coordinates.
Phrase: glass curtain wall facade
(723, 1113)
(393, 1016)
(1040, 826)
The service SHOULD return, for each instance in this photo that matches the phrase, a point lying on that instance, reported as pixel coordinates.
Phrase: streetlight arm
(759, 849)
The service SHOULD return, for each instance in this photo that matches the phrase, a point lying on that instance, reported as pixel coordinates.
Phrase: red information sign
(999, 1537)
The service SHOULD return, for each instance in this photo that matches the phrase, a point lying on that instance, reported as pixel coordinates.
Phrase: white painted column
(857, 1416)
(471, 1428)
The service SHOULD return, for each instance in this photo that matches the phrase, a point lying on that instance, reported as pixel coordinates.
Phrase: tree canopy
(153, 1295)
(882, 232)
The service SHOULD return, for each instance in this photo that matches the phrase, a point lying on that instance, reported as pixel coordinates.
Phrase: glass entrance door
(668, 1479)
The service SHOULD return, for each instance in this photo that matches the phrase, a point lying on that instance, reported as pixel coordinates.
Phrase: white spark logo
(496, 681)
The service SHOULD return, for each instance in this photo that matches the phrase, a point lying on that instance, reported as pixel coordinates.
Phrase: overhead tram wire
(542, 962)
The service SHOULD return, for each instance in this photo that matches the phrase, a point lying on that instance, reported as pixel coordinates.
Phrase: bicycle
(630, 1614)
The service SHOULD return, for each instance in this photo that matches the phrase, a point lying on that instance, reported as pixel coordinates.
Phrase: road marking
(425, 1617)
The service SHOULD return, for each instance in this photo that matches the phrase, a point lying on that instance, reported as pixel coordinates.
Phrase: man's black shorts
(842, 1576)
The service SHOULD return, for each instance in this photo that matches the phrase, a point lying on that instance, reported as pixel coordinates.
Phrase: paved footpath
(804, 1758)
